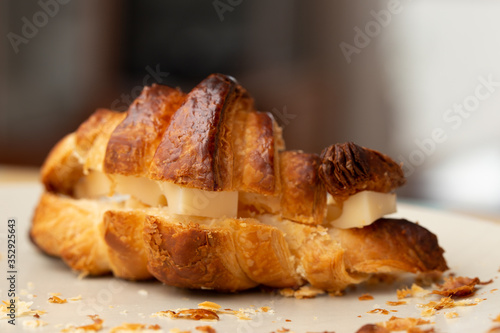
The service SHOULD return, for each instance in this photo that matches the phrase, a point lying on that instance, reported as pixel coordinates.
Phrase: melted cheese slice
(364, 208)
(191, 201)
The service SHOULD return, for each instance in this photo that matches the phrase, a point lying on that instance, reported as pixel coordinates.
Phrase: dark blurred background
(402, 77)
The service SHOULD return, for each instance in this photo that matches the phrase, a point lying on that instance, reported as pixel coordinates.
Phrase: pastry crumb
(210, 311)
(133, 327)
(379, 310)
(209, 305)
(34, 323)
(365, 297)
(95, 327)
(448, 302)
(57, 300)
(411, 292)
(302, 292)
(206, 329)
(193, 314)
(402, 324)
(23, 309)
(458, 286)
(451, 315)
(265, 309)
(282, 330)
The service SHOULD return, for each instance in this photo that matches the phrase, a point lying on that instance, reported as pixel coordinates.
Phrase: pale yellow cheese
(145, 190)
(180, 200)
(93, 186)
(191, 201)
(364, 208)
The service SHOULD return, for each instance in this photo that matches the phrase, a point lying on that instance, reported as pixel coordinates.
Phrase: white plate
(472, 249)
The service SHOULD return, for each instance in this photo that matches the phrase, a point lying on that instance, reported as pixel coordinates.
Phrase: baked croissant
(198, 191)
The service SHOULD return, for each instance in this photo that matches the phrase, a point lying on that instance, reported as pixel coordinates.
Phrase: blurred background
(418, 80)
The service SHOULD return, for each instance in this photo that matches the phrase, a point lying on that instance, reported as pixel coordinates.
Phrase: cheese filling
(93, 186)
(192, 201)
(362, 208)
(145, 190)
(357, 211)
(180, 200)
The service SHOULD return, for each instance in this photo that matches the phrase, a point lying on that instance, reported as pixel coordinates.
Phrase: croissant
(198, 191)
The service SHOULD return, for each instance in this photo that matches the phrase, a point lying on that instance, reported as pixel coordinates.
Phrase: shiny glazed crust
(212, 139)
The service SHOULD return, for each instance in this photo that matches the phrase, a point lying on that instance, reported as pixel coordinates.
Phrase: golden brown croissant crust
(212, 141)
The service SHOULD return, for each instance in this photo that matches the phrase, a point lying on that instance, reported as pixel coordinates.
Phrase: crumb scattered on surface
(302, 292)
(23, 309)
(56, 300)
(282, 330)
(34, 323)
(192, 314)
(411, 292)
(94, 327)
(402, 324)
(390, 303)
(451, 315)
(209, 305)
(497, 319)
(134, 327)
(379, 310)
(458, 286)
(206, 329)
(365, 297)
(211, 311)
(76, 298)
(429, 309)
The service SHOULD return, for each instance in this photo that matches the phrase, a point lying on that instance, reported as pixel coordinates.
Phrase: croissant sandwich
(198, 191)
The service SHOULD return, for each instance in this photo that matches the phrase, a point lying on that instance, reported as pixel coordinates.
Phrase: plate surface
(472, 249)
